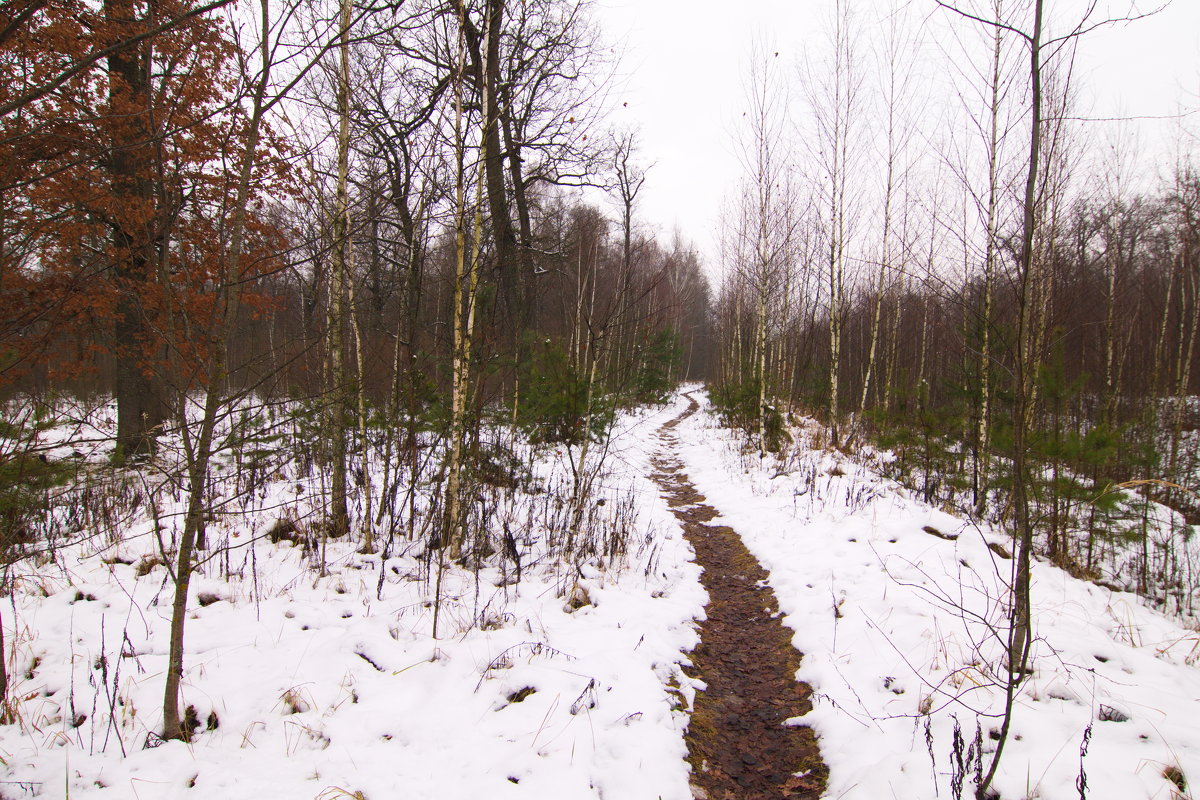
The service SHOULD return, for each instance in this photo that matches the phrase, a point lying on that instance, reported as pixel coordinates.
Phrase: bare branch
(994, 23)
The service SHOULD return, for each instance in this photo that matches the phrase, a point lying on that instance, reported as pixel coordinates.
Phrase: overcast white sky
(681, 75)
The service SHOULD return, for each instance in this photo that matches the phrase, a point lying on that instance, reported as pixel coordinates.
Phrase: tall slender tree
(836, 101)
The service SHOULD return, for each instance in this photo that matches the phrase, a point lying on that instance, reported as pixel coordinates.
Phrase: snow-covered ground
(333, 686)
(901, 630)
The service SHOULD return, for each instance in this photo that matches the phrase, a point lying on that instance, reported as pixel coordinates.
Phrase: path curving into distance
(738, 744)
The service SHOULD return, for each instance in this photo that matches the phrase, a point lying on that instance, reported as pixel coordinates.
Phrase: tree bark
(140, 407)
(983, 432)
(466, 281)
(339, 518)
(200, 452)
(1023, 377)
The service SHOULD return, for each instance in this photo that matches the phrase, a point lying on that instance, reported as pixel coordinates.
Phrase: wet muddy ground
(738, 744)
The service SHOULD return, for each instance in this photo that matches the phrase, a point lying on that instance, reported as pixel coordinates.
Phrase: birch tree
(766, 216)
(1040, 50)
(339, 520)
(896, 69)
(467, 248)
(836, 101)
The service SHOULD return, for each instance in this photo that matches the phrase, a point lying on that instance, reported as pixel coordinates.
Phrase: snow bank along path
(331, 687)
(898, 629)
(739, 742)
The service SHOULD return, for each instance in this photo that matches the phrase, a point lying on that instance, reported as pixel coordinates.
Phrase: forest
(346, 314)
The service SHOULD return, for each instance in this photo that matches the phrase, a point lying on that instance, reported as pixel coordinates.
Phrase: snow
(321, 688)
(333, 686)
(895, 622)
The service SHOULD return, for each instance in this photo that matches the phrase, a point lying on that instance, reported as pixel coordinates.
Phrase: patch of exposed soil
(738, 744)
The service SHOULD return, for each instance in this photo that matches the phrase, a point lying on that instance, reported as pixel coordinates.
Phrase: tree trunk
(200, 455)
(140, 407)
(339, 519)
(466, 279)
(983, 434)
(368, 517)
(484, 48)
(1021, 635)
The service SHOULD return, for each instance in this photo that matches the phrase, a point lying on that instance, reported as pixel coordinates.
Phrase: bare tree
(630, 177)
(897, 73)
(231, 280)
(836, 101)
(339, 277)
(467, 247)
(766, 216)
(1040, 50)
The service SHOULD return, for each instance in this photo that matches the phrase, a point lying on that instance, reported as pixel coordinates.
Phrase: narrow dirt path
(738, 745)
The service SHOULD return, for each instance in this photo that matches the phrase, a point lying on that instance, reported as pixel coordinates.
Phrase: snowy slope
(898, 627)
(320, 687)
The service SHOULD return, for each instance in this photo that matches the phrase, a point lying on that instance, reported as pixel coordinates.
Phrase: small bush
(554, 400)
(25, 481)
(737, 403)
(658, 360)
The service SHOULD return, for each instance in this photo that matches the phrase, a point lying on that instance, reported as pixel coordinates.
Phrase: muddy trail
(738, 744)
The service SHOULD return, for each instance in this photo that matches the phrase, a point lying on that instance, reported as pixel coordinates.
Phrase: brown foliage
(116, 190)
